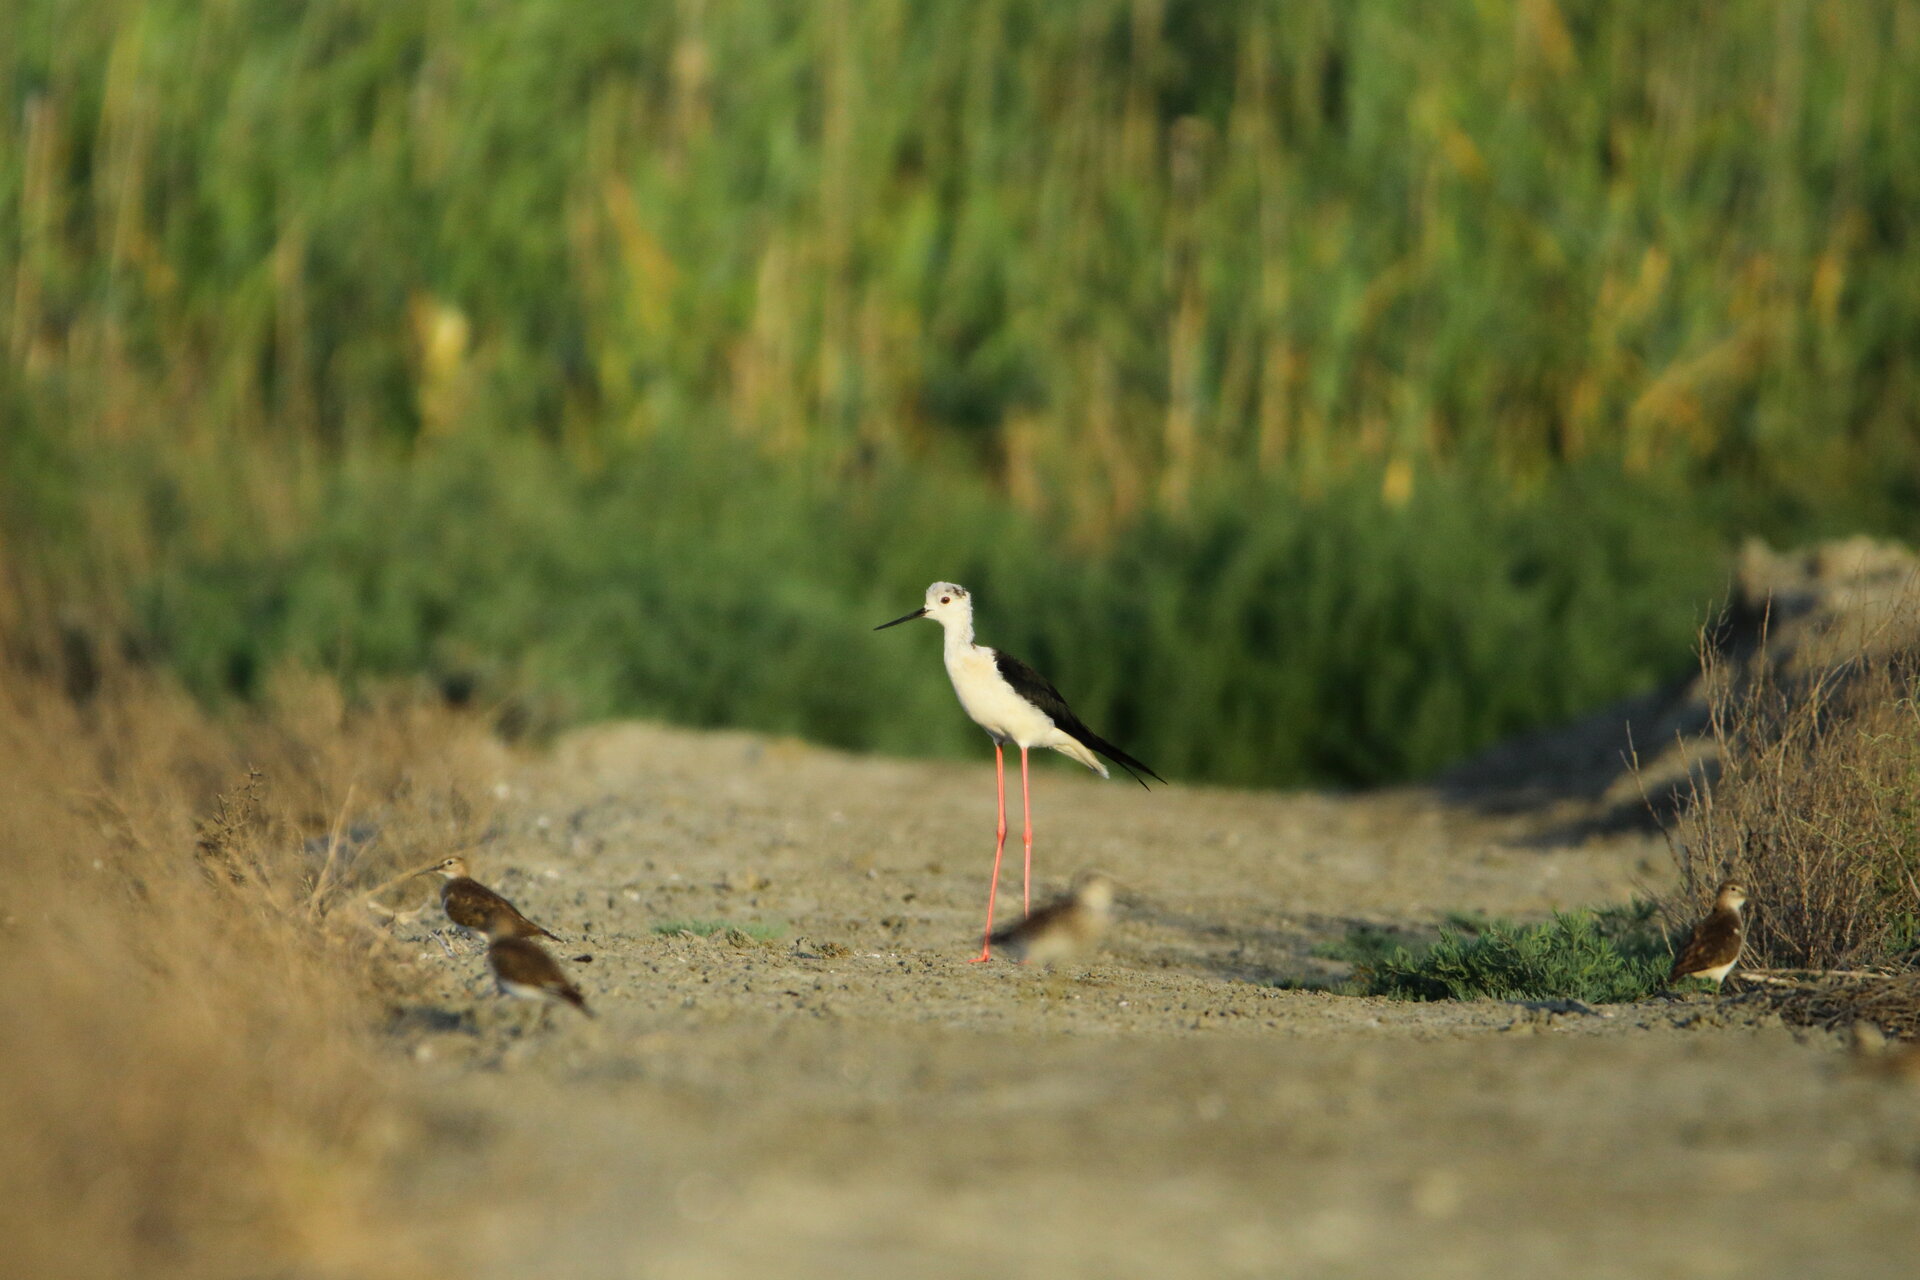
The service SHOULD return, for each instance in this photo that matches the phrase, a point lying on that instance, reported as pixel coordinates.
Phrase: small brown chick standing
(1889, 1059)
(1064, 928)
(474, 907)
(1713, 948)
(523, 970)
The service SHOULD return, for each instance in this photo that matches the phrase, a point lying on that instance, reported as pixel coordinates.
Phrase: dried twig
(1814, 975)
(325, 880)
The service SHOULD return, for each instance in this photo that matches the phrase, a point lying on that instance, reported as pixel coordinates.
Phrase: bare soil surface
(831, 1089)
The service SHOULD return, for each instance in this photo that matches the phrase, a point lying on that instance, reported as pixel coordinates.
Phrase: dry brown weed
(1815, 808)
(191, 1083)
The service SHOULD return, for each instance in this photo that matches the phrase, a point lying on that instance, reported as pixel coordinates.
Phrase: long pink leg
(1026, 834)
(999, 844)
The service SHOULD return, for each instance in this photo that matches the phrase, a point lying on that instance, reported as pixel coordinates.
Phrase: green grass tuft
(736, 933)
(1365, 946)
(1603, 957)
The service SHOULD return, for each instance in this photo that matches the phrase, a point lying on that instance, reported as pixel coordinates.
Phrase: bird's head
(946, 602)
(451, 868)
(1094, 890)
(1732, 895)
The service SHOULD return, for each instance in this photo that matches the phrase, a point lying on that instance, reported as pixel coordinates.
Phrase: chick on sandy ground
(1876, 1055)
(1063, 929)
(523, 970)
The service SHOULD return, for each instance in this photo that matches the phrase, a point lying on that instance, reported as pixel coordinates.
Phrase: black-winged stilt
(1014, 704)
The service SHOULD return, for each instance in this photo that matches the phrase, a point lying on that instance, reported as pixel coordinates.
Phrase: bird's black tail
(1121, 758)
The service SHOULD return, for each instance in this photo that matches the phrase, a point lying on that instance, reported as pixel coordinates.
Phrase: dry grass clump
(1891, 1003)
(189, 1085)
(1816, 808)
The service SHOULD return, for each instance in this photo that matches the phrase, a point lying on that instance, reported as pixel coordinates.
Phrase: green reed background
(1319, 390)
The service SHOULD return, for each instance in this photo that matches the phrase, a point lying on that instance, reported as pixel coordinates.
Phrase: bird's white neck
(959, 632)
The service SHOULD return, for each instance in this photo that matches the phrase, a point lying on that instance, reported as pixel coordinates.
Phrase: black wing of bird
(1036, 688)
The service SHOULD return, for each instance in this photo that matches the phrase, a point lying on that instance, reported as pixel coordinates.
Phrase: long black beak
(917, 613)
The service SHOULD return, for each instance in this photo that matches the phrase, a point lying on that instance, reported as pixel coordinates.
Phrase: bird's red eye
(946, 599)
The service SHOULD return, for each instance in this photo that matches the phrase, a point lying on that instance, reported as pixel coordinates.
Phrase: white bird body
(1716, 975)
(995, 705)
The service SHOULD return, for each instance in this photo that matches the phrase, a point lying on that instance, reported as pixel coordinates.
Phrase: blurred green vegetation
(1315, 391)
(1259, 638)
(1613, 955)
(743, 934)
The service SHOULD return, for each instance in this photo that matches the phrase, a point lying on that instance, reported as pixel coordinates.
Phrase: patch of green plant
(1579, 955)
(1263, 640)
(1366, 945)
(736, 932)
(1633, 927)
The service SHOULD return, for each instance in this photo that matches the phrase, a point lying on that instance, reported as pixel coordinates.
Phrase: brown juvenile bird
(1713, 948)
(478, 909)
(523, 969)
(1063, 928)
(1893, 1059)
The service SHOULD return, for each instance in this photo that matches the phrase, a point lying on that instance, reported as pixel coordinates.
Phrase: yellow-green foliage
(1108, 248)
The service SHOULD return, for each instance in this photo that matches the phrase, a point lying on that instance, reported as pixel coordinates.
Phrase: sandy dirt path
(851, 1098)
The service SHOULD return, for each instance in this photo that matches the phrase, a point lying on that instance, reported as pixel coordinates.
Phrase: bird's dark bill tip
(917, 613)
